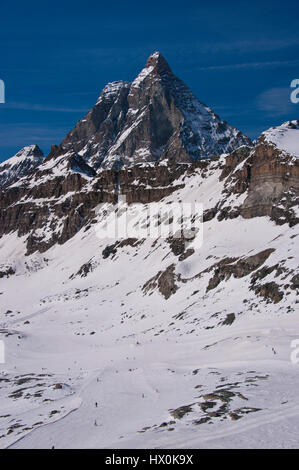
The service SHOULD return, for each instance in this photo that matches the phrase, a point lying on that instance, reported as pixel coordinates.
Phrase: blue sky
(56, 56)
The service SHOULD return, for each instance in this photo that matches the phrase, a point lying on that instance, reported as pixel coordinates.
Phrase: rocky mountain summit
(20, 165)
(153, 118)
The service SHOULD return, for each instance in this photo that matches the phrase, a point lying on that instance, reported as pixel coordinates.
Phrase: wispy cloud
(19, 134)
(42, 108)
(276, 101)
(247, 65)
(260, 44)
(183, 50)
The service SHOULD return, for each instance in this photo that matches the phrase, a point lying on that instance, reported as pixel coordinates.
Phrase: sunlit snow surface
(163, 373)
(285, 137)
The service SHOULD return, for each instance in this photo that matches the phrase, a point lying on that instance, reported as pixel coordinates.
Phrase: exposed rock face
(23, 163)
(153, 118)
(270, 291)
(150, 184)
(51, 209)
(267, 175)
(237, 268)
(273, 184)
(164, 281)
(94, 135)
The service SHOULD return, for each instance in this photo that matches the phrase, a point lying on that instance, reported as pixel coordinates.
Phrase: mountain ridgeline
(153, 118)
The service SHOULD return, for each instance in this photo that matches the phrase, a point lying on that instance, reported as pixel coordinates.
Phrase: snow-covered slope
(20, 165)
(207, 367)
(284, 137)
(153, 342)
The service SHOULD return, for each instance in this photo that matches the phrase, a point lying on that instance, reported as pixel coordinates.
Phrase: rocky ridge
(153, 118)
(20, 165)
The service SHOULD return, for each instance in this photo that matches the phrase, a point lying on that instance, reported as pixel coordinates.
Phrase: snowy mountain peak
(155, 117)
(156, 68)
(20, 165)
(158, 62)
(29, 151)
